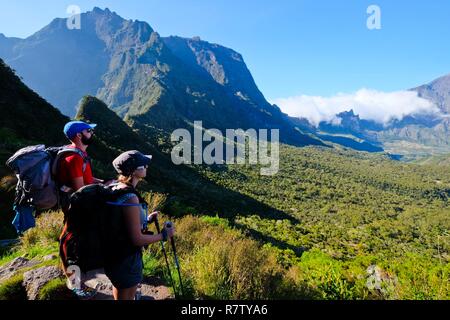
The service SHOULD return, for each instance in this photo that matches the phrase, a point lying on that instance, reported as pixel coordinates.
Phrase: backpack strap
(125, 194)
(64, 151)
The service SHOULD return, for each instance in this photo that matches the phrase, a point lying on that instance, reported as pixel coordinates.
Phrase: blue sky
(292, 47)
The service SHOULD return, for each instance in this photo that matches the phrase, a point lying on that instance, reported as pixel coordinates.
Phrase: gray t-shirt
(143, 209)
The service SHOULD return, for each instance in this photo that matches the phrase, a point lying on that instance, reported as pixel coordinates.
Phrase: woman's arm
(133, 221)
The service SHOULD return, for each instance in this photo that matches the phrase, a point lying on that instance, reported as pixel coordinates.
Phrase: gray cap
(129, 161)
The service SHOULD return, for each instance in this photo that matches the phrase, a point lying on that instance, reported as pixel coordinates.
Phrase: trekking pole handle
(152, 217)
(168, 225)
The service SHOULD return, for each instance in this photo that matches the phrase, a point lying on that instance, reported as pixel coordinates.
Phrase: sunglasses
(142, 167)
(90, 130)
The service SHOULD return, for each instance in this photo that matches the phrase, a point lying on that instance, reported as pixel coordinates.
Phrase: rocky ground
(151, 289)
(36, 274)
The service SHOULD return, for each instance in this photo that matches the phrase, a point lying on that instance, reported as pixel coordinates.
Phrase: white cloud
(378, 106)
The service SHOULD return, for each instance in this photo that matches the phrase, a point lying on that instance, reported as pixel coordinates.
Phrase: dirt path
(152, 288)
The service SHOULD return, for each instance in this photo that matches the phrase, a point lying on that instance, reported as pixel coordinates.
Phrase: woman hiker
(124, 269)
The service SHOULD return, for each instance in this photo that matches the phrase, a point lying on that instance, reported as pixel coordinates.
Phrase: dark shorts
(126, 273)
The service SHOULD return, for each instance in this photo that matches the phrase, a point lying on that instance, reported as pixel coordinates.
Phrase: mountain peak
(348, 114)
(101, 11)
(89, 104)
(104, 13)
(438, 92)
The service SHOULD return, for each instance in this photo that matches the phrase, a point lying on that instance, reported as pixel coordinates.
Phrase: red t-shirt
(71, 166)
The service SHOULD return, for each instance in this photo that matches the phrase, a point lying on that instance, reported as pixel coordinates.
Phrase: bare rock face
(50, 257)
(438, 92)
(10, 269)
(35, 279)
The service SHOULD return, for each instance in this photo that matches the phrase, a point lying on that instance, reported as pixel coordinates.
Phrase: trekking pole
(169, 225)
(165, 257)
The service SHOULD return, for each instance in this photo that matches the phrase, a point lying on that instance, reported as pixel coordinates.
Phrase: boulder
(34, 280)
(10, 269)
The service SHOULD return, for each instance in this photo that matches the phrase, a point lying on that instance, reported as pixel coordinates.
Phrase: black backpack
(95, 233)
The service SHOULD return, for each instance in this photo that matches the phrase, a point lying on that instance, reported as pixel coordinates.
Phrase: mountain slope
(26, 119)
(184, 185)
(224, 65)
(157, 84)
(53, 62)
(437, 91)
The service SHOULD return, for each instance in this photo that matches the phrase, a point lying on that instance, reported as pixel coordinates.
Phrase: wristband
(164, 234)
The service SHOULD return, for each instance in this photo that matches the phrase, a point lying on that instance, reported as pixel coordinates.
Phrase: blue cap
(74, 127)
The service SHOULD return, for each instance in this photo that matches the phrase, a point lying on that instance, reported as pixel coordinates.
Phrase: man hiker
(74, 170)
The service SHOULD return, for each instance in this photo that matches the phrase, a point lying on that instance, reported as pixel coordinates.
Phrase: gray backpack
(35, 168)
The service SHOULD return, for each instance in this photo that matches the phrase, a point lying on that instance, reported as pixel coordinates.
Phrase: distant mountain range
(414, 137)
(157, 84)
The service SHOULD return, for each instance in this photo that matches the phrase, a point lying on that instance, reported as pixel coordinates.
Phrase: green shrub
(222, 264)
(209, 273)
(156, 201)
(420, 278)
(152, 265)
(12, 289)
(216, 221)
(176, 209)
(254, 271)
(55, 289)
(325, 275)
(47, 231)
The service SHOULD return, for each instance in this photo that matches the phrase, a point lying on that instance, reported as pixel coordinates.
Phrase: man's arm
(77, 183)
(73, 166)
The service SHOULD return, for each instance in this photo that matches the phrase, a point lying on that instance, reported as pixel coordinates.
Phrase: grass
(221, 263)
(12, 289)
(152, 265)
(56, 289)
(216, 221)
(39, 241)
(35, 244)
